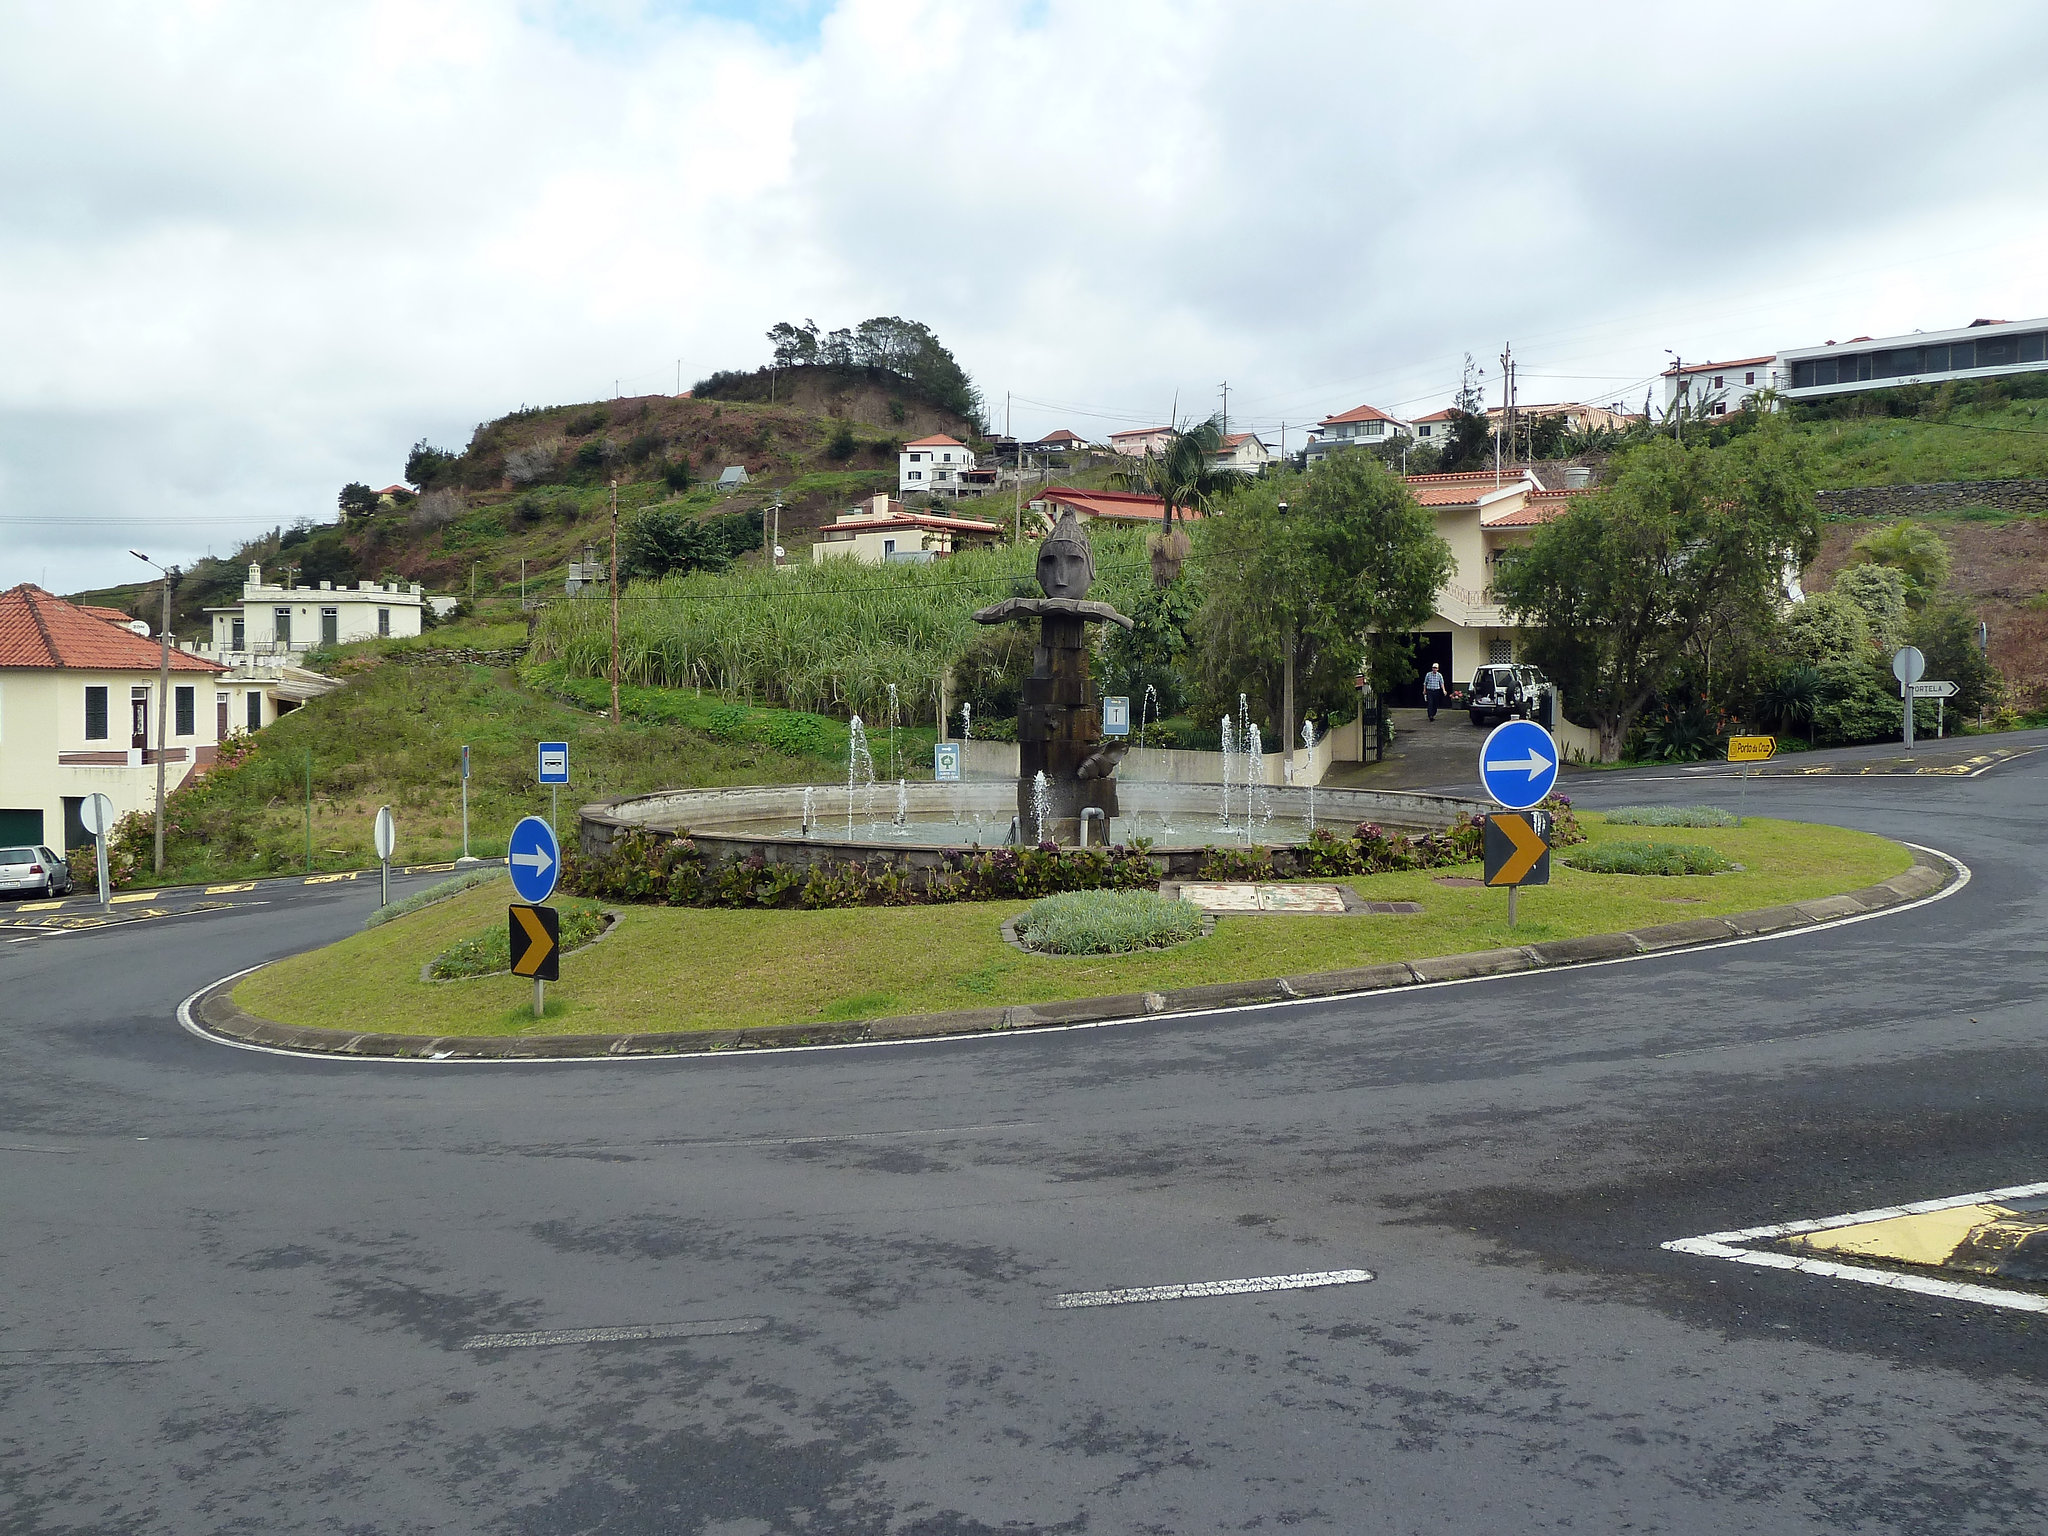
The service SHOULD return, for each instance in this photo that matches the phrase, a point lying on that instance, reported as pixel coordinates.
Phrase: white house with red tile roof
(1719, 388)
(1141, 442)
(885, 532)
(1361, 426)
(1118, 507)
(1243, 451)
(79, 695)
(1061, 441)
(1433, 428)
(933, 466)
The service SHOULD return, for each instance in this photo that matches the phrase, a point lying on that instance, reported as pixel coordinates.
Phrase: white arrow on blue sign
(535, 859)
(1518, 764)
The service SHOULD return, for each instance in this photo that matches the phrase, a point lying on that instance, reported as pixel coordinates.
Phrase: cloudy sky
(250, 251)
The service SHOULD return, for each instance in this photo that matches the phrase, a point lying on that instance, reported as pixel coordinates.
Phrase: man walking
(1433, 689)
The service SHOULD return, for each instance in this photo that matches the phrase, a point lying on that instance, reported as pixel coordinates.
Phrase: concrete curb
(213, 1011)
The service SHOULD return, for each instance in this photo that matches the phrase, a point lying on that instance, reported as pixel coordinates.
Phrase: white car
(33, 872)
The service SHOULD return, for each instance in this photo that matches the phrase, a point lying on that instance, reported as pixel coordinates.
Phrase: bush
(440, 891)
(1650, 859)
(800, 736)
(1671, 816)
(523, 466)
(1108, 923)
(489, 952)
(436, 509)
(675, 473)
(584, 422)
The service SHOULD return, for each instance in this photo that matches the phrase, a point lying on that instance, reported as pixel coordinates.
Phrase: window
(237, 641)
(384, 625)
(918, 474)
(949, 459)
(1425, 429)
(330, 626)
(1502, 652)
(96, 714)
(1997, 352)
(2031, 348)
(255, 709)
(183, 698)
(281, 627)
(138, 717)
(1750, 378)
(1962, 354)
(1721, 382)
(1721, 409)
(220, 717)
(1378, 428)
(889, 548)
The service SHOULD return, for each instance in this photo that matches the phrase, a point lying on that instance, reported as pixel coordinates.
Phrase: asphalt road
(236, 1289)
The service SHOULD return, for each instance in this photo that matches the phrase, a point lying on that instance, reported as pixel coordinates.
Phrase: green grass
(1629, 858)
(1107, 922)
(684, 969)
(1972, 442)
(489, 950)
(1669, 816)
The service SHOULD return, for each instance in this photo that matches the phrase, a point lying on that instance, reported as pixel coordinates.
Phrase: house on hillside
(1114, 507)
(1577, 416)
(1718, 388)
(732, 477)
(1435, 427)
(1141, 442)
(1983, 349)
(79, 698)
(1363, 425)
(1243, 452)
(884, 532)
(1061, 441)
(273, 619)
(937, 466)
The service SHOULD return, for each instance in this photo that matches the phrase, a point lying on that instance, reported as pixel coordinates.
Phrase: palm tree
(1183, 473)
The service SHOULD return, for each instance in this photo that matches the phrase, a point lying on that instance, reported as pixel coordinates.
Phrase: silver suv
(33, 871)
(1504, 691)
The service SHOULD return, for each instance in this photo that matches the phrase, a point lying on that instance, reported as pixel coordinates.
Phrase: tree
(1946, 633)
(903, 347)
(1304, 575)
(427, 467)
(1880, 592)
(1915, 552)
(356, 499)
(664, 541)
(1620, 592)
(1183, 473)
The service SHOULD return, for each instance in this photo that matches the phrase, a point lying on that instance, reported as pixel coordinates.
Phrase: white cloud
(252, 251)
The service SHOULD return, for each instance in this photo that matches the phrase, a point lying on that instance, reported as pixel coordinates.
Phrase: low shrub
(1625, 858)
(440, 891)
(1108, 923)
(669, 871)
(1671, 816)
(490, 951)
(1372, 851)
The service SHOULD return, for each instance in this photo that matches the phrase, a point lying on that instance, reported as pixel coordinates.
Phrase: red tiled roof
(1357, 413)
(1235, 438)
(111, 615)
(1125, 505)
(1733, 362)
(936, 442)
(912, 520)
(396, 490)
(1460, 489)
(1062, 436)
(1140, 432)
(39, 630)
(1542, 506)
(1443, 415)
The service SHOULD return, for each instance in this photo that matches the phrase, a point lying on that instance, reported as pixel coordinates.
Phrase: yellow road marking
(330, 879)
(137, 896)
(40, 906)
(222, 890)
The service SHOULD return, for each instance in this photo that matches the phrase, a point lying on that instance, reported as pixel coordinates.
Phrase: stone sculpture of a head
(1066, 561)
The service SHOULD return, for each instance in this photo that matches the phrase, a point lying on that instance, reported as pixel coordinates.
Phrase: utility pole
(1017, 514)
(679, 375)
(1677, 394)
(1226, 407)
(615, 602)
(163, 696)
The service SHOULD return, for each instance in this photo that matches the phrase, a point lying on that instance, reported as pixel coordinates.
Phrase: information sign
(1518, 764)
(1933, 690)
(1116, 717)
(554, 762)
(1751, 749)
(535, 859)
(946, 762)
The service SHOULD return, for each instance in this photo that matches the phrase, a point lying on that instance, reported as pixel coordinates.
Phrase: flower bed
(1107, 922)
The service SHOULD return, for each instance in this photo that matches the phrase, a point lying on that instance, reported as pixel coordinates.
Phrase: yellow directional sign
(1516, 852)
(1751, 749)
(537, 943)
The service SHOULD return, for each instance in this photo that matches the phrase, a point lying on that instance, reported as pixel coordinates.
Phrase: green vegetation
(440, 891)
(681, 968)
(1107, 923)
(1944, 436)
(488, 951)
(1629, 858)
(1669, 816)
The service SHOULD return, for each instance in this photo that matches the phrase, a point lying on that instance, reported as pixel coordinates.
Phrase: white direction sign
(1908, 665)
(97, 813)
(387, 832)
(536, 860)
(1933, 690)
(1518, 764)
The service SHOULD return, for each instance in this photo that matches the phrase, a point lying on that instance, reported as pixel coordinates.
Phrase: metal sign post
(535, 860)
(387, 840)
(465, 859)
(1908, 666)
(1749, 749)
(98, 815)
(1518, 765)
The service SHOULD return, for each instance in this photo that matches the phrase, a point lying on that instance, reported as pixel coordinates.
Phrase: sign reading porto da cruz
(1751, 749)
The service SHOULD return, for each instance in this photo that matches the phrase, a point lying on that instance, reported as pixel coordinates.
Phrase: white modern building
(274, 620)
(1983, 349)
(935, 466)
(1718, 388)
(1141, 442)
(1361, 426)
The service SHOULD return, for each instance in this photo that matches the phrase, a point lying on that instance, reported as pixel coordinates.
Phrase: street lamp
(163, 695)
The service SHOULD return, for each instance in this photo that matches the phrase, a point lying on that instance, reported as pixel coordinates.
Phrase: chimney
(255, 574)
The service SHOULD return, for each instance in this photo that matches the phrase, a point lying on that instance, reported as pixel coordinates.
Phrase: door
(138, 717)
(1424, 649)
(330, 626)
(220, 717)
(281, 628)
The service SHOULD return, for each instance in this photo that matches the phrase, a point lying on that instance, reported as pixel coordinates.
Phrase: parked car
(33, 872)
(1504, 691)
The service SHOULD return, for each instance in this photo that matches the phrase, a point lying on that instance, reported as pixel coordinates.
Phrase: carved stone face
(1066, 562)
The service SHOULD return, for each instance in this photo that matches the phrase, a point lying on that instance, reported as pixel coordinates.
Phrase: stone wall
(1875, 501)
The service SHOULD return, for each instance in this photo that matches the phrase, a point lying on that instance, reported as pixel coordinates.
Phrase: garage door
(21, 826)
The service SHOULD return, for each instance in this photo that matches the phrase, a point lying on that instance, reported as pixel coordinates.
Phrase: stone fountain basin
(761, 821)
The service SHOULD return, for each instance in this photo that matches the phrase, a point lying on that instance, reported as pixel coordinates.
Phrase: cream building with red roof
(79, 695)
(885, 532)
(1361, 426)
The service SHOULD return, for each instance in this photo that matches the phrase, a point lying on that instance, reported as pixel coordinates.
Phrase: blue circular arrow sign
(535, 859)
(1518, 764)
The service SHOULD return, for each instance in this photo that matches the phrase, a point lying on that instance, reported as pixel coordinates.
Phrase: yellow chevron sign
(1516, 853)
(536, 943)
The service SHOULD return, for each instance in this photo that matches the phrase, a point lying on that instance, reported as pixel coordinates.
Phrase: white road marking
(994, 1037)
(1309, 1282)
(30, 1357)
(714, 1328)
(1720, 1245)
